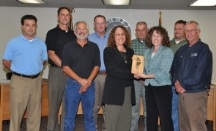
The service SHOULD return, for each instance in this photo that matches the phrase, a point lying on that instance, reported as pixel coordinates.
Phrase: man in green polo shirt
(178, 41)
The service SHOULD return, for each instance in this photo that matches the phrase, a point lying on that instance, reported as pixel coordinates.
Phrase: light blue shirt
(102, 43)
(26, 56)
(159, 65)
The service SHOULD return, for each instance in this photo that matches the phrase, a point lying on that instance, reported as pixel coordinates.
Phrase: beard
(81, 36)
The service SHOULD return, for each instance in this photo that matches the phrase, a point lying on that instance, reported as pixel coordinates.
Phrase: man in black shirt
(81, 63)
(56, 39)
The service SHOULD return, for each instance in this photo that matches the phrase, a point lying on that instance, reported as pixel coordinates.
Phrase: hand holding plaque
(137, 64)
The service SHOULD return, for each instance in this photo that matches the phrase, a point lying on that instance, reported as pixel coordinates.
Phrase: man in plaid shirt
(139, 47)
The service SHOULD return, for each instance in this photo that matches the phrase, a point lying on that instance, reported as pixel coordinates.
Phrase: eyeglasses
(191, 31)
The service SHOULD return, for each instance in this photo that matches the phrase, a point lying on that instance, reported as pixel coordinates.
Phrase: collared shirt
(192, 67)
(175, 46)
(159, 65)
(80, 59)
(57, 38)
(102, 43)
(26, 56)
(138, 47)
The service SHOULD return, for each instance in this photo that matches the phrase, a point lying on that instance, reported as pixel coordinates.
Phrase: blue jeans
(175, 109)
(139, 93)
(72, 99)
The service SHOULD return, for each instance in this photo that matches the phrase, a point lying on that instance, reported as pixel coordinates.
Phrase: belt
(102, 72)
(53, 65)
(26, 76)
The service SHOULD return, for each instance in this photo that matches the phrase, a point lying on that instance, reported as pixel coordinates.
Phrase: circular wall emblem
(112, 22)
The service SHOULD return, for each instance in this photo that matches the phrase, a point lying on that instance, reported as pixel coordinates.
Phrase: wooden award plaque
(137, 64)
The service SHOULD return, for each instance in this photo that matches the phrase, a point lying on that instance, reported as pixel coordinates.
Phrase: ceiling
(135, 4)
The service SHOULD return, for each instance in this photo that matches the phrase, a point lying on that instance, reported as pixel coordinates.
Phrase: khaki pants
(99, 87)
(56, 87)
(193, 111)
(25, 93)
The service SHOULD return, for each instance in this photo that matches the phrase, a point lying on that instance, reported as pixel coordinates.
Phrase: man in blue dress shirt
(25, 56)
(100, 38)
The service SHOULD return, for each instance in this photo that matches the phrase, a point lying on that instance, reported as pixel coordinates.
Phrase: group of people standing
(96, 70)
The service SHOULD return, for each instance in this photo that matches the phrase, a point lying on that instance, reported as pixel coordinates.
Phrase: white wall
(10, 23)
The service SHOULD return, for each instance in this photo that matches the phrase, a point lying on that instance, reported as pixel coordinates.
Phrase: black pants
(159, 103)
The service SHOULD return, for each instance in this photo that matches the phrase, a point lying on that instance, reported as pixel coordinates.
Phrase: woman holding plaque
(158, 60)
(118, 95)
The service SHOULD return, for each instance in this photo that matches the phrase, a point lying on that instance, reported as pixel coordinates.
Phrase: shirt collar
(105, 35)
(87, 44)
(178, 41)
(28, 39)
(141, 41)
(63, 30)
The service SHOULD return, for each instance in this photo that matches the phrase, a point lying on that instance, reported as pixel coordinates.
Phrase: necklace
(124, 56)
